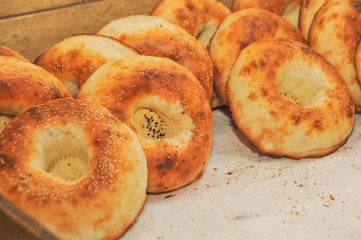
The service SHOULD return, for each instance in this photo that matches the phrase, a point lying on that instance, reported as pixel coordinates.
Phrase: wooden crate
(31, 27)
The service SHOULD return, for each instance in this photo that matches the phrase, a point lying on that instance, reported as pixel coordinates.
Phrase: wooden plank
(33, 34)
(228, 3)
(16, 7)
(11, 230)
(15, 224)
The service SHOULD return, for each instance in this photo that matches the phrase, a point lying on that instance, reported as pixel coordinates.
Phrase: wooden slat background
(10, 8)
(32, 29)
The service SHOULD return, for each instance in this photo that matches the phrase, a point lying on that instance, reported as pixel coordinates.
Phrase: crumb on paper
(169, 196)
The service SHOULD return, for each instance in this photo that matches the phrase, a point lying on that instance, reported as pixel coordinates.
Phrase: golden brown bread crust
(304, 108)
(105, 200)
(191, 15)
(200, 18)
(358, 61)
(236, 32)
(308, 10)
(153, 86)
(288, 9)
(334, 33)
(274, 6)
(75, 58)
(23, 84)
(5, 51)
(156, 36)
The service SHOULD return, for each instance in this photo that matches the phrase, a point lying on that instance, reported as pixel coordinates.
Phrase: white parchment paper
(243, 195)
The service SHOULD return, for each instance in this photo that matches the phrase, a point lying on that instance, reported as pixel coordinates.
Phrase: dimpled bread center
(155, 119)
(301, 84)
(4, 120)
(69, 168)
(149, 124)
(63, 153)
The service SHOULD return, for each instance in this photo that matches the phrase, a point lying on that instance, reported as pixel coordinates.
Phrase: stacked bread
(290, 98)
(69, 164)
(288, 9)
(134, 114)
